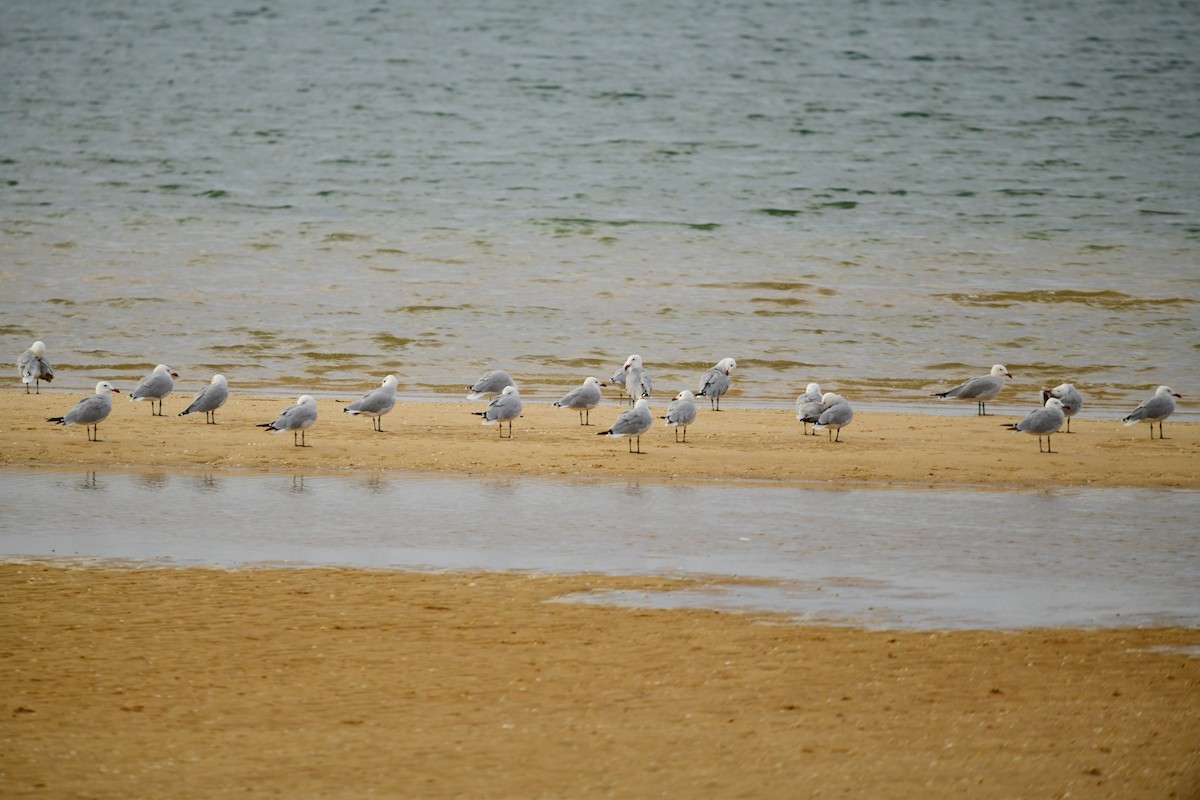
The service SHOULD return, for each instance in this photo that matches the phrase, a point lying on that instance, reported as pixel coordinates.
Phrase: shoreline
(917, 450)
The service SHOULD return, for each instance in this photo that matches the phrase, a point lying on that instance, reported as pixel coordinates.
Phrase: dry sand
(167, 683)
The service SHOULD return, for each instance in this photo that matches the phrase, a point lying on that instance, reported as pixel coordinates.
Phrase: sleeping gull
(297, 419)
(980, 389)
(1042, 422)
(376, 403)
(1072, 399)
(681, 413)
(1155, 409)
(836, 413)
(583, 398)
(808, 405)
(155, 386)
(90, 411)
(633, 422)
(637, 380)
(491, 383)
(209, 399)
(505, 406)
(34, 367)
(715, 382)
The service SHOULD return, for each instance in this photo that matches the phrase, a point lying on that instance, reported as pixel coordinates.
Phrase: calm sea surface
(883, 197)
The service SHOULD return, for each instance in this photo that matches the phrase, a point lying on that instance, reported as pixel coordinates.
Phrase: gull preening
(980, 389)
(808, 405)
(209, 399)
(34, 368)
(491, 383)
(715, 382)
(376, 403)
(681, 413)
(155, 386)
(637, 380)
(505, 406)
(90, 411)
(633, 423)
(1154, 409)
(836, 414)
(582, 398)
(1042, 422)
(1072, 399)
(297, 419)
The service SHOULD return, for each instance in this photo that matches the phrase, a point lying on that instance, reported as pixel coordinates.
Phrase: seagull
(491, 383)
(583, 398)
(1042, 422)
(1155, 409)
(835, 413)
(980, 389)
(1072, 399)
(505, 406)
(155, 386)
(375, 404)
(633, 422)
(297, 419)
(681, 413)
(34, 367)
(637, 380)
(90, 411)
(209, 399)
(808, 405)
(716, 382)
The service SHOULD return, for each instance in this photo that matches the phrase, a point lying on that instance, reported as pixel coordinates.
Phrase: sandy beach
(734, 444)
(349, 683)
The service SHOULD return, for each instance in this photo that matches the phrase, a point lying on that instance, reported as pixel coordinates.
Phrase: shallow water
(876, 557)
(882, 197)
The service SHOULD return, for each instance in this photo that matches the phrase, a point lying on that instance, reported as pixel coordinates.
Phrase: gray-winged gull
(297, 419)
(1155, 409)
(34, 368)
(980, 389)
(209, 399)
(375, 403)
(90, 411)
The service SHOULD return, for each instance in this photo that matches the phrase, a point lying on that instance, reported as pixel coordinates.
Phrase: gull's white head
(1000, 369)
(1167, 390)
(38, 348)
(685, 394)
(306, 399)
(391, 380)
(509, 390)
(104, 387)
(727, 365)
(591, 381)
(218, 380)
(633, 361)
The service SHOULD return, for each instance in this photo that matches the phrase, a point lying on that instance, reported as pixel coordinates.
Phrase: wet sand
(346, 683)
(734, 444)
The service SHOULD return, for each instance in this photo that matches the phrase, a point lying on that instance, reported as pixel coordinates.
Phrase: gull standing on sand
(715, 382)
(34, 368)
(637, 380)
(1155, 409)
(808, 405)
(633, 422)
(90, 411)
(583, 398)
(505, 406)
(980, 389)
(836, 413)
(209, 399)
(297, 419)
(155, 386)
(376, 403)
(1072, 399)
(491, 383)
(1042, 422)
(681, 413)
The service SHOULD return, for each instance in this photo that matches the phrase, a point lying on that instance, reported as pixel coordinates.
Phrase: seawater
(881, 197)
(862, 555)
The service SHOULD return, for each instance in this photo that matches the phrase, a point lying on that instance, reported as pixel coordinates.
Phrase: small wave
(390, 340)
(1100, 298)
(565, 224)
(130, 302)
(346, 237)
(777, 286)
(425, 309)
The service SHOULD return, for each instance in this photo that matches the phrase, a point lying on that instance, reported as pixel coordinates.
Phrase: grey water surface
(879, 557)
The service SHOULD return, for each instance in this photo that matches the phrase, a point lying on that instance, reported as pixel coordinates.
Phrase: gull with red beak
(155, 386)
(980, 389)
(90, 411)
(1155, 409)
